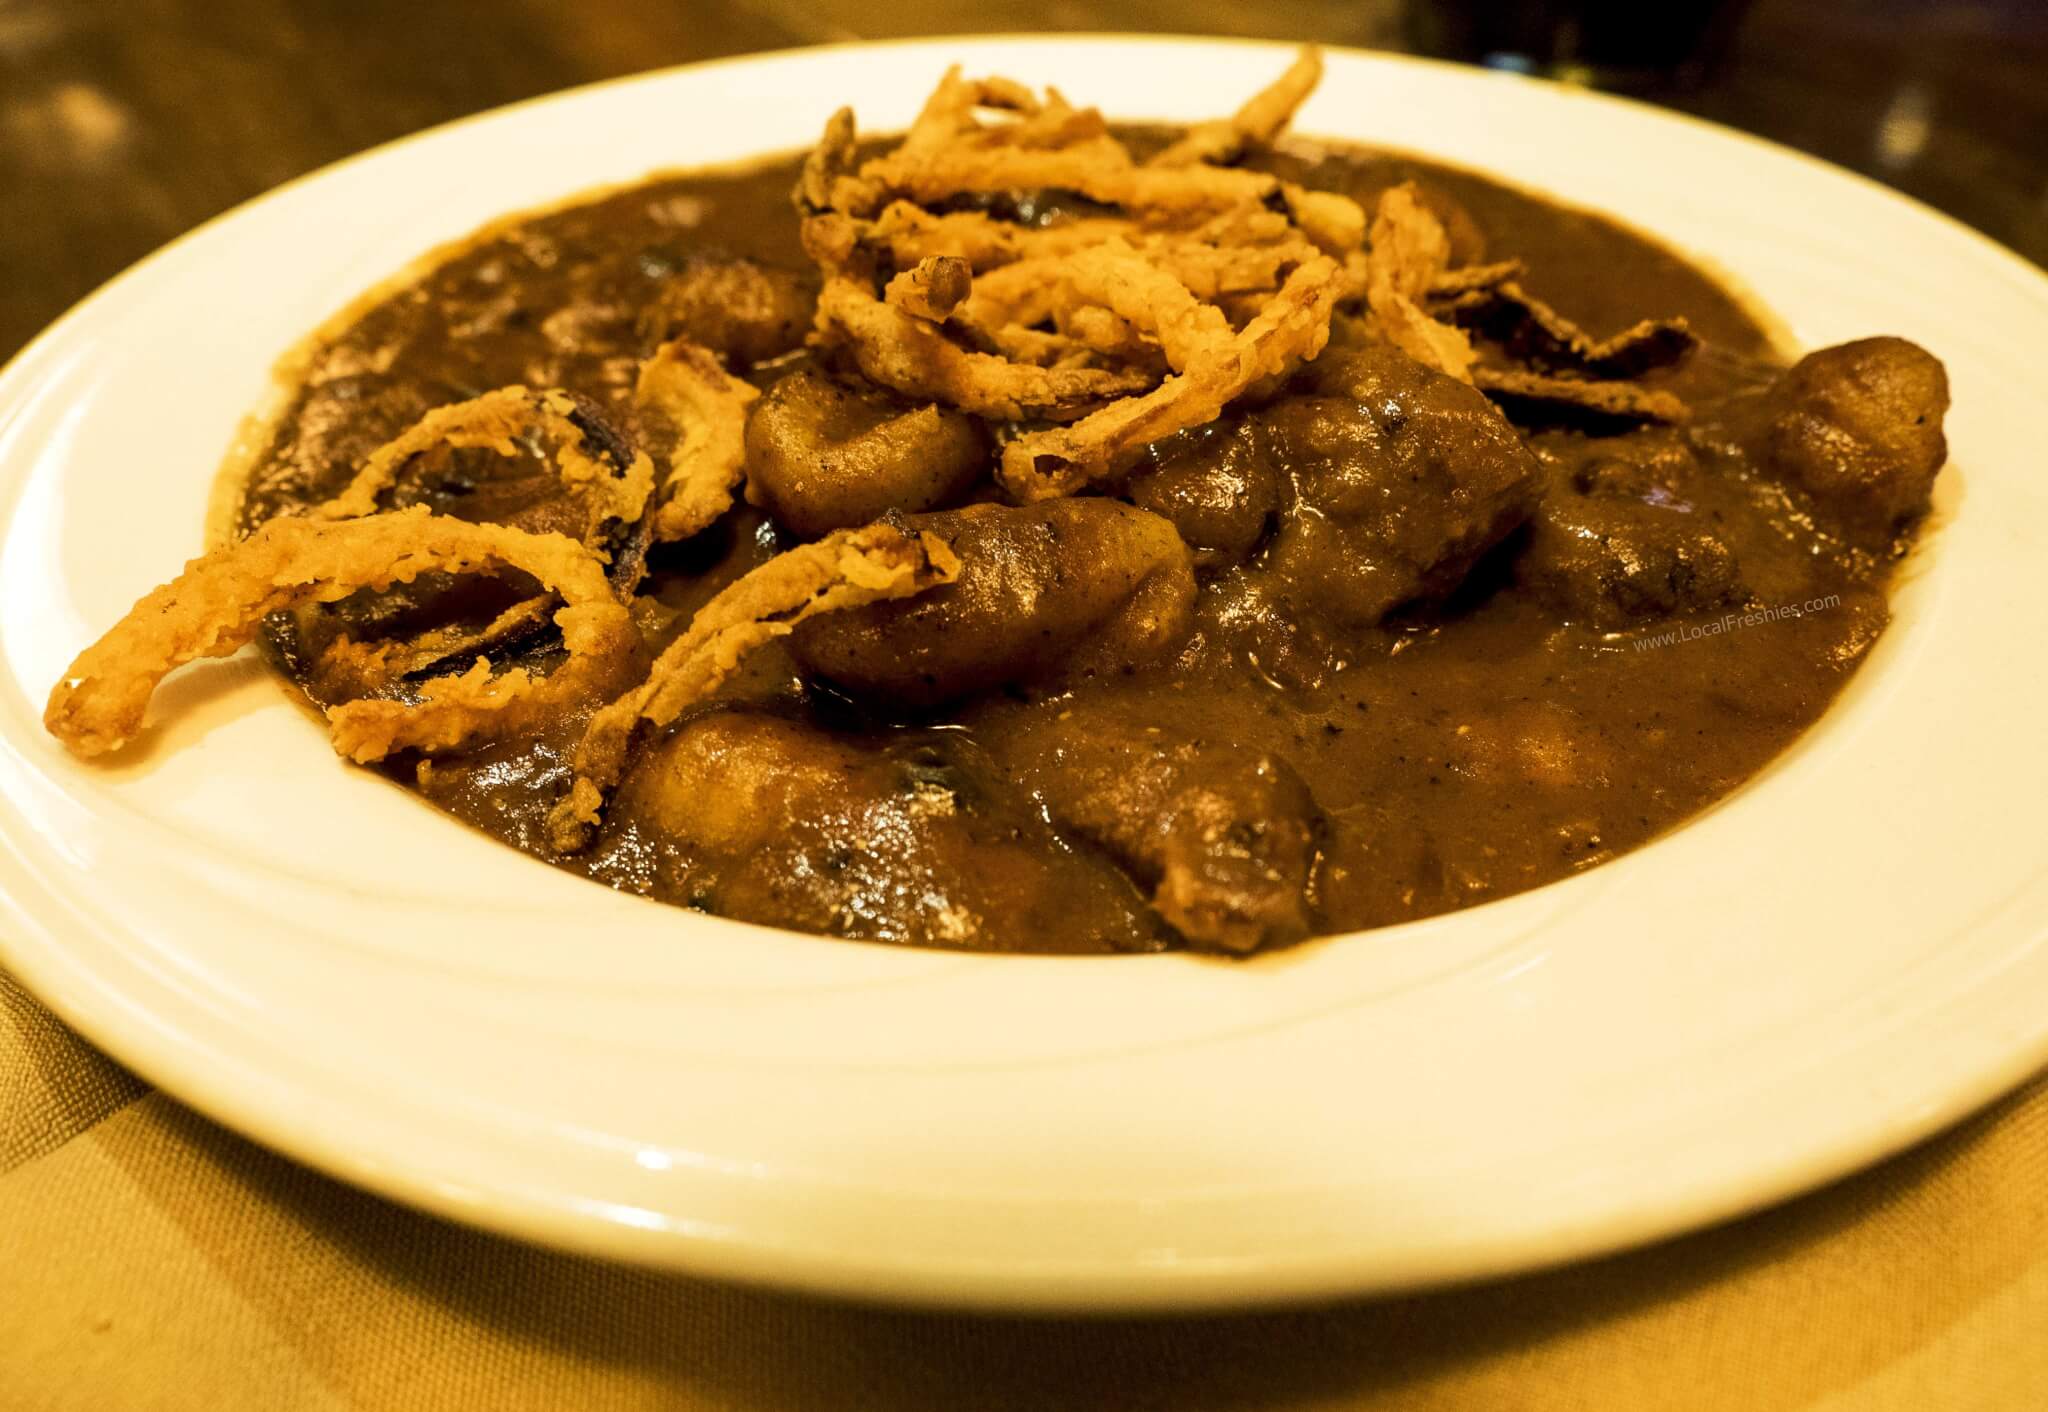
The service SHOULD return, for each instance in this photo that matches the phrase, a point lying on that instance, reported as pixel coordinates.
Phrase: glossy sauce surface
(1458, 751)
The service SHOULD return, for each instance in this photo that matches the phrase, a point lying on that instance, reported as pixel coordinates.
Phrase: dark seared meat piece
(1617, 541)
(771, 820)
(1225, 839)
(1613, 563)
(1065, 587)
(1855, 428)
(1542, 399)
(748, 311)
(1403, 478)
(1530, 331)
(823, 455)
(1218, 485)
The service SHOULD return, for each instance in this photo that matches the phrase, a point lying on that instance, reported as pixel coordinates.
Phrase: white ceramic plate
(1838, 960)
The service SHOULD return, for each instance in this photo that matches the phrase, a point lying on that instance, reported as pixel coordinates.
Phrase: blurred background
(125, 122)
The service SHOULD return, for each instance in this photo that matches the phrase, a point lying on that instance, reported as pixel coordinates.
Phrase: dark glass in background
(1627, 45)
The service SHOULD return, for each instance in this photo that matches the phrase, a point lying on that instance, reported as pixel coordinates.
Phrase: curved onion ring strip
(845, 569)
(684, 386)
(914, 358)
(1409, 252)
(1141, 293)
(346, 667)
(495, 421)
(216, 605)
(1292, 328)
(1262, 118)
(909, 233)
(1098, 168)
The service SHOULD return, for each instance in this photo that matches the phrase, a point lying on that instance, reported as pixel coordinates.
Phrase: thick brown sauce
(1459, 755)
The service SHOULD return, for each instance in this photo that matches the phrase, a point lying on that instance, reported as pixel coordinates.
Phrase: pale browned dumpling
(1858, 428)
(1069, 586)
(769, 818)
(823, 455)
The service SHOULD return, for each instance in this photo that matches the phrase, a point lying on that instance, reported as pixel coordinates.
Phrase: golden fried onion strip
(1073, 320)
(913, 357)
(217, 603)
(1409, 251)
(1098, 168)
(908, 233)
(932, 288)
(845, 569)
(1134, 289)
(1256, 124)
(496, 421)
(1292, 328)
(684, 386)
(346, 667)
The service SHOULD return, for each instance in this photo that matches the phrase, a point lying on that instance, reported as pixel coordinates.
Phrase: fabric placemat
(152, 1260)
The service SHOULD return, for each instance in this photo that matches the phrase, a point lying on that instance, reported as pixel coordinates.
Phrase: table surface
(156, 1261)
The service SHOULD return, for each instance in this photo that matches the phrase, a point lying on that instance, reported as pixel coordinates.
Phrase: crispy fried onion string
(498, 421)
(1533, 332)
(217, 603)
(1409, 252)
(932, 288)
(684, 389)
(1213, 367)
(908, 233)
(1201, 283)
(1264, 116)
(606, 494)
(1047, 144)
(845, 569)
(914, 357)
(346, 667)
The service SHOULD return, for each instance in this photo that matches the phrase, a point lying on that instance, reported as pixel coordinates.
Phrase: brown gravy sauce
(1456, 755)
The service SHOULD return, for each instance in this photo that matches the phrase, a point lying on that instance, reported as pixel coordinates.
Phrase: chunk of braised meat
(1218, 485)
(1063, 587)
(1224, 838)
(1616, 541)
(1858, 429)
(823, 455)
(1403, 478)
(772, 820)
(748, 311)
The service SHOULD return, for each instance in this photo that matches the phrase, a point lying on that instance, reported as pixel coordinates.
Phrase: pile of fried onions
(1208, 281)
(1095, 335)
(1203, 281)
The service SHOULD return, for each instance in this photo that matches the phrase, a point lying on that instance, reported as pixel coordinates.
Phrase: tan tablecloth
(149, 1259)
